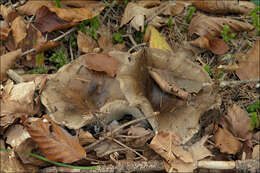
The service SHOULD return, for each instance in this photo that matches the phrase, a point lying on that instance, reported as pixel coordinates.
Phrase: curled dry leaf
(155, 39)
(226, 142)
(224, 7)
(239, 122)
(16, 101)
(215, 45)
(55, 142)
(8, 60)
(18, 30)
(249, 67)
(208, 26)
(101, 62)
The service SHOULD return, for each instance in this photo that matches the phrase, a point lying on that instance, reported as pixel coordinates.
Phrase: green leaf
(52, 162)
(208, 69)
(58, 3)
(254, 107)
(189, 14)
(40, 59)
(254, 120)
(170, 22)
(117, 37)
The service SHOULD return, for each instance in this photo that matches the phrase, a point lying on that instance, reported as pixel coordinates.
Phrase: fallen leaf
(18, 100)
(176, 9)
(46, 46)
(18, 30)
(208, 26)
(55, 143)
(8, 60)
(86, 43)
(5, 11)
(101, 62)
(256, 152)
(215, 45)
(226, 142)
(4, 30)
(85, 137)
(106, 148)
(239, 122)
(31, 6)
(77, 14)
(156, 40)
(47, 21)
(223, 7)
(16, 135)
(136, 14)
(105, 40)
(249, 67)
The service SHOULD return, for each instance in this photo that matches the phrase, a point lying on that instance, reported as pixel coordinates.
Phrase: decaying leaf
(77, 14)
(226, 142)
(239, 122)
(136, 14)
(249, 67)
(179, 157)
(47, 21)
(16, 135)
(105, 40)
(155, 39)
(86, 43)
(85, 137)
(4, 30)
(18, 30)
(106, 148)
(224, 7)
(55, 143)
(208, 26)
(215, 45)
(8, 60)
(16, 101)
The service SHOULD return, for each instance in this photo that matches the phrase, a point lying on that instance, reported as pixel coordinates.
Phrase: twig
(13, 75)
(228, 83)
(159, 12)
(132, 39)
(136, 46)
(120, 143)
(110, 133)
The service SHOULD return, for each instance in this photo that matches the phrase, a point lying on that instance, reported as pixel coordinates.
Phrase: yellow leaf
(156, 40)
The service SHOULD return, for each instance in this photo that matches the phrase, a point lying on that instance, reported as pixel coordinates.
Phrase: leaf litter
(139, 97)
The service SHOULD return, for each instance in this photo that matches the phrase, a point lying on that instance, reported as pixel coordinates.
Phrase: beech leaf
(56, 143)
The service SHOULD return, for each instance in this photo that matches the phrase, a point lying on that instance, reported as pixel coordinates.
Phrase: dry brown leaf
(256, 152)
(85, 137)
(77, 14)
(4, 30)
(105, 40)
(55, 143)
(8, 60)
(136, 14)
(16, 135)
(223, 6)
(18, 100)
(18, 30)
(5, 11)
(239, 122)
(46, 46)
(47, 21)
(106, 148)
(208, 26)
(226, 142)
(101, 62)
(215, 45)
(175, 10)
(249, 67)
(86, 43)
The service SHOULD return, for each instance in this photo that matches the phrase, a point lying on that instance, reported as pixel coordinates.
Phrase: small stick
(14, 76)
(120, 143)
(110, 133)
(54, 40)
(138, 45)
